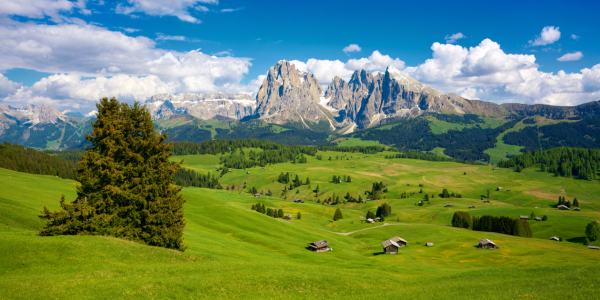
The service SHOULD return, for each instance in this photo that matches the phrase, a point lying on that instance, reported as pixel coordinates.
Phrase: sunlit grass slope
(236, 253)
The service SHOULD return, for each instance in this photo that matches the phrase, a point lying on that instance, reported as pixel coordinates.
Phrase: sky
(69, 53)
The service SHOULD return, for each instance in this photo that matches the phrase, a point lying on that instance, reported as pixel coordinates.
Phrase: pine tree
(280, 213)
(299, 216)
(263, 209)
(575, 202)
(592, 231)
(337, 215)
(532, 215)
(587, 241)
(125, 182)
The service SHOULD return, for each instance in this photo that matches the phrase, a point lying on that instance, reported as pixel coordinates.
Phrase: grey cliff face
(290, 95)
(31, 114)
(203, 106)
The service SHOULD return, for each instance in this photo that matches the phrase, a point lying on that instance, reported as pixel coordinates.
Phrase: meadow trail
(404, 224)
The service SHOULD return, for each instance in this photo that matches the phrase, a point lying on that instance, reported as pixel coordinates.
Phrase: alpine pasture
(234, 252)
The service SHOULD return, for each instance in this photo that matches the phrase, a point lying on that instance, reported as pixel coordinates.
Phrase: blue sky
(70, 53)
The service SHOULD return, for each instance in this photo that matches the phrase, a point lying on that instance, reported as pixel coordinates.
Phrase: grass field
(236, 253)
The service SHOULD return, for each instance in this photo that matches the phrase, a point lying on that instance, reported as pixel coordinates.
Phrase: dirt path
(404, 224)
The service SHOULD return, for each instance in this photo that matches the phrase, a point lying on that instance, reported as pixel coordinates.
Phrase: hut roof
(429, 244)
(594, 247)
(524, 217)
(319, 244)
(577, 209)
(388, 243)
(554, 238)
(370, 220)
(486, 241)
(537, 218)
(397, 239)
(563, 207)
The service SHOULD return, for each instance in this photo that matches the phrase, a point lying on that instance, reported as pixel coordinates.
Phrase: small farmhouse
(319, 246)
(247, 172)
(472, 206)
(390, 247)
(486, 201)
(421, 185)
(487, 244)
(258, 195)
(499, 189)
(537, 218)
(288, 217)
(400, 241)
(429, 244)
(449, 204)
(553, 238)
(524, 218)
(576, 209)
(563, 207)
(369, 220)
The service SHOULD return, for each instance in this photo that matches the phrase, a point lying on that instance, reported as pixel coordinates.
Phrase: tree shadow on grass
(579, 240)
(379, 253)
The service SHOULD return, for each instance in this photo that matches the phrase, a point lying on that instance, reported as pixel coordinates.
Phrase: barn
(319, 246)
(487, 244)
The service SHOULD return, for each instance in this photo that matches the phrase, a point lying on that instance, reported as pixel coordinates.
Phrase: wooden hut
(319, 246)
(369, 220)
(499, 189)
(258, 195)
(486, 201)
(524, 218)
(563, 207)
(594, 247)
(576, 209)
(449, 204)
(472, 206)
(288, 217)
(429, 244)
(487, 244)
(390, 247)
(537, 218)
(400, 241)
(421, 185)
(553, 238)
(247, 172)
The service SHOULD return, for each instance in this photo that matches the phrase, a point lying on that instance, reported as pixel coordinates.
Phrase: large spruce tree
(125, 181)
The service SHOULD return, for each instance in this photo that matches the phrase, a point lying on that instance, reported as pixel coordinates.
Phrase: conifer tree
(299, 216)
(280, 213)
(263, 209)
(125, 182)
(592, 231)
(575, 202)
(337, 215)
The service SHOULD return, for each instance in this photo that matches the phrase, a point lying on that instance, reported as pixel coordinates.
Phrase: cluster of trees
(124, 181)
(445, 194)
(73, 156)
(354, 149)
(582, 134)
(271, 212)
(292, 135)
(188, 133)
(500, 224)
(186, 178)
(426, 156)
(415, 134)
(18, 158)
(592, 232)
(218, 146)
(459, 119)
(563, 161)
(383, 210)
(340, 179)
(377, 190)
(567, 203)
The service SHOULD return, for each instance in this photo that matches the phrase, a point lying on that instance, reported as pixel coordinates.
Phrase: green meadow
(236, 253)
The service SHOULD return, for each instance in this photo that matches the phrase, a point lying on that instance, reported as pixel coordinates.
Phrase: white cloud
(549, 35)
(230, 9)
(7, 87)
(139, 69)
(39, 9)
(575, 37)
(326, 70)
(451, 39)
(571, 56)
(164, 37)
(176, 8)
(92, 113)
(351, 48)
(130, 30)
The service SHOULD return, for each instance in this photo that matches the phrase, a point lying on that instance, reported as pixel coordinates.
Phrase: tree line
(28, 160)
(563, 161)
(488, 223)
(189, 178)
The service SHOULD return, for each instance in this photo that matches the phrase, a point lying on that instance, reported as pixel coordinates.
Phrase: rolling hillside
(234, 252)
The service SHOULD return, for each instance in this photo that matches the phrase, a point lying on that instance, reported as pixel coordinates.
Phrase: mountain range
(289, 103)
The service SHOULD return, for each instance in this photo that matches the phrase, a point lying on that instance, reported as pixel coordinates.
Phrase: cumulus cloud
(549, 35)
(571, 56)
(7, 87)
(575, 37)
(451, 39)
(164, 37)
(326, 70)
(39, 9)
(230, 9)
(177, 8)
(139, 69)
(351, 48)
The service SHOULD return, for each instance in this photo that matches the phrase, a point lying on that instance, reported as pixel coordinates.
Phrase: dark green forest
(18, 158)
(582, 134)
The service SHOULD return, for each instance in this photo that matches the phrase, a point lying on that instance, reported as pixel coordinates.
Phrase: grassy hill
(234, 252)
